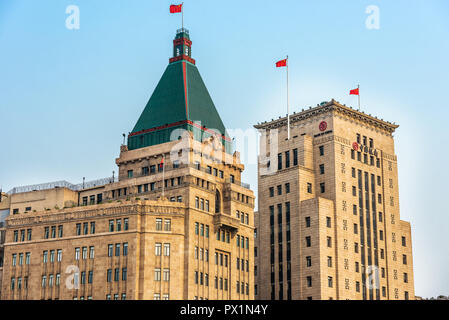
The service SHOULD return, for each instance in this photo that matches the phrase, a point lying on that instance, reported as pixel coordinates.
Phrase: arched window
(217, 201)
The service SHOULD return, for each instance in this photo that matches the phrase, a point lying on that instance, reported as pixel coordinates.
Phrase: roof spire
(182, 46)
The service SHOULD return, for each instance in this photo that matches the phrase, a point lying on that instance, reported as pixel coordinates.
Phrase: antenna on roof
(84, 179)
(124, 137)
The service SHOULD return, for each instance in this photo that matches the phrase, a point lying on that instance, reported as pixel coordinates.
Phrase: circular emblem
(355, 146)
(323, 126)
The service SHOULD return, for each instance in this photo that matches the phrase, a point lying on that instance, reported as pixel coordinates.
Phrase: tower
(180, 101)
(328, 222)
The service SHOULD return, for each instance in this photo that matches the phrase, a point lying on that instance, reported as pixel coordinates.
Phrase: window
(44, 281)
(167, 249)
(84, 253)
(279, 161)
(321, 149)
(309, 281)
(279, 190)
(309, 261)
(295, 157)
(58, 255)
(52, 256)
(166, 275)
(308, 241)
(125, 248)
(110, 248)
(47, 231)
(77, 253)
(329, 262)
(109, 276)
(116, 274)
(271, 190)
(117, 249)
(329, 242)
(381, 235)
(27, 258)
(329, 282)
(322, 187)
(91, 252)
(287, 159)
(287, 188)
(356, 229)
(404, 259)
(404, 242)
(405, 277)
(158, 224)
(158, 249)
(309, 187)
(130, 174)
(167, 225)
(90, 277)
(307, 222)
(321, 168)
(124, 274)
(111, 225)
(328, 222)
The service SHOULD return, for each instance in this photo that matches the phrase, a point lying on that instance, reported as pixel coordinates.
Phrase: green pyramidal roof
(180, 100)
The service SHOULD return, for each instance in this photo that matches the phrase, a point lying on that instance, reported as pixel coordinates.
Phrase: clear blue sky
(66, 96)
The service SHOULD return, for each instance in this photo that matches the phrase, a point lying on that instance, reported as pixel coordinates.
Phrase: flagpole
(288, 108)
(182, 13)
(358, 87)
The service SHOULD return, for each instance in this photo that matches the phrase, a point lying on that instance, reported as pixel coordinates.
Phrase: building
(4, 212)
(178, 223)
(328, 224)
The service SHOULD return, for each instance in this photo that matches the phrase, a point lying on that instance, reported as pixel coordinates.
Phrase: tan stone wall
(336, 203)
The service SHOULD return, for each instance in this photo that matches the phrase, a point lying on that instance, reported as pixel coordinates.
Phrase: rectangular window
(158, 224)
(59, 255)
(111, 225)
(167, 225)
(295, 157)
(322, 187)
(125, 248)
(321, 149)
(321, 168)
(110, 249)
(309, 187)
(117, 249)
(158, 249)
(287, 159)
(91, 252)
(308, 242)
(287, 188)
(279, 161)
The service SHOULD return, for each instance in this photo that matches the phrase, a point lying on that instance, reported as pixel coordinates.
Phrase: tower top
(179, 101)
(182, 47)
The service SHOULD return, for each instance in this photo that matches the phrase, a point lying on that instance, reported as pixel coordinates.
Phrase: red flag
(162, 161)
(281, 63)
(355, 92)
(175, 8)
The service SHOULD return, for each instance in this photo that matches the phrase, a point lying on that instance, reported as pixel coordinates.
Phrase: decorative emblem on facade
(323, 126)
(355, 146)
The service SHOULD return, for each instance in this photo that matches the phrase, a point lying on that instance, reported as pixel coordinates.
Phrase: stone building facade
(328, 223)
(178, 223)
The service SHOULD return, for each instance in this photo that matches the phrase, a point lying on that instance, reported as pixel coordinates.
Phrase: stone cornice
(329, 107)
(102, 210)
